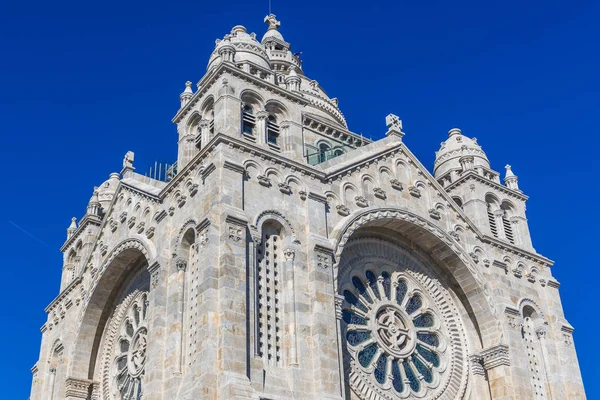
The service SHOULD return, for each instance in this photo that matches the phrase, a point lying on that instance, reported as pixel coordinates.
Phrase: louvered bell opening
(272, 132)
(493, 226)
(508, 230)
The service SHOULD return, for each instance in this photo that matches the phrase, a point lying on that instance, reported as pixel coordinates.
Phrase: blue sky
(81, 83)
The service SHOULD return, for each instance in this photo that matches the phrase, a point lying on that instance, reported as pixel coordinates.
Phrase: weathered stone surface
(287, 257)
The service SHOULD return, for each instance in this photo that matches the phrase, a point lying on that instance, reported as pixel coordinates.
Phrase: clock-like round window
(403, 336)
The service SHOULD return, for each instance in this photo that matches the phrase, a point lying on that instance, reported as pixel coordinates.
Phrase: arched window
(272, 130)
(338, 152)
(269, 273)
(492, 207)
(458, 201)
(532, 329)
(324, 150)
(508, 212)
(248, 120)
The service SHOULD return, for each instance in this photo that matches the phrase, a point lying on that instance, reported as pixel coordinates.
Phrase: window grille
(492, 219)
(508, 232)
(248, 121)
(272, 130)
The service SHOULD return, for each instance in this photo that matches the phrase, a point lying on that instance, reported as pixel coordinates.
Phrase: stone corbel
(396, 184)
(414, 191)
(342, 210)
(78, 388)
(379, 192)
(495, 356)
(361, 201)
(435, 214)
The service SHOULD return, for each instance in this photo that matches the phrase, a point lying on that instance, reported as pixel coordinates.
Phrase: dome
(246, 48)
(455, 147)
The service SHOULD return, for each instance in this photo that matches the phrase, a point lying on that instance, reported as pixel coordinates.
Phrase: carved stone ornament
(263, 180)
(150, 232)
(181, 265)
(141, 226)
(171, 211)
(455, 236)
(77, 388)
(414, 191)
(396, 184)
(394, 324)
(379, 193)
(285, 188)
(435, 214)
(323, 260)
(123, 216)
(303, 194)
(114, 225)
(235, 233)
(475, 257)
(342, 210)
(203, 238)
(518, 271)
(193, 189)
(181, 200)
(486, 263)
(361, 201)
(125, 349)
(495, 356)
(131, 222)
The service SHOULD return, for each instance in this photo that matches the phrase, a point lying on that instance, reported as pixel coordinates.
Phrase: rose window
(394, 336)
(130, 351)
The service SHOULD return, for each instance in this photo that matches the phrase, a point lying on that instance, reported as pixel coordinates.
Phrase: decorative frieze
(78, 388)
(495, 356)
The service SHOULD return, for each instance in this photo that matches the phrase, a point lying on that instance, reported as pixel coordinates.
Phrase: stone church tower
(286, 257)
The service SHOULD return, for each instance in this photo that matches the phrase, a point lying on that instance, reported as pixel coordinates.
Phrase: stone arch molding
(345, 229)
(279, 217)
(97, 296)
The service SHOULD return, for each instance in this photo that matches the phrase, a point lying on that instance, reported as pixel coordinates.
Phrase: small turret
(72, 228)
(187, 94)
(93, 208)
(511, 180)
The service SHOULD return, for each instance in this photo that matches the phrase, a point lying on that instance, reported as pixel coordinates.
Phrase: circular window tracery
(126, 348)
(393, 336)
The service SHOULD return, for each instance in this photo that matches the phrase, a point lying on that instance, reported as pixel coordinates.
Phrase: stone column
(324, 332)
(205, 135)
(496, 361)
(228, 110)
(540, 333)
(481, 387)
(181, 267)
(261, 127)
(291, 133)
(157, 300)
(290, 254)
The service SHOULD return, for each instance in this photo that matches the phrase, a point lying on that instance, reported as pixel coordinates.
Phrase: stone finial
(394, 125)
(511, 180)
(272, 21)
(454, 131)
(93, 207)
(187, 94)
(72, 228)
(128, 162)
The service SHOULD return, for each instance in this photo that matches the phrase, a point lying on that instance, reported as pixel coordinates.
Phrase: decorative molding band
(317, 197)
(234, 167)
(230, 219)
(78, 388)
(208, 170)
(495, 356)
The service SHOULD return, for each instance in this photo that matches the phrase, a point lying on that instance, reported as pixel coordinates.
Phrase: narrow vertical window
(508, 232)
(272, 130)
(324, 150)
(248, 121)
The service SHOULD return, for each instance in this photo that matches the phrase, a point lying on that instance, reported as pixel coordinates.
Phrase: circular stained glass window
(395, 337)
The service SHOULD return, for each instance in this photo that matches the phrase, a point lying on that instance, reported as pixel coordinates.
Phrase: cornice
(208, 79)
(330, 130)
(63, 294)
(82, 225)
(476, 177)
(518, 251)
(141, 192)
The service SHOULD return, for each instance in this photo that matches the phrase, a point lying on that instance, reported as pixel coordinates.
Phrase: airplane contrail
(27, 233)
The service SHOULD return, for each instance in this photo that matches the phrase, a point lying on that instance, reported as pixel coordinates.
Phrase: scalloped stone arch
(277, 216)
(127, 256)
(431, 239)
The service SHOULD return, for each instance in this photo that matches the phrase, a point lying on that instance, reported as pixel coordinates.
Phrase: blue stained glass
(381, 369)
(397, 377)
(387, 284)
(412, 379)
(401, 292)
(423, 370)
(351, 318)
(360, 286)
(352, 299)
(429, 339)
(373, 283)
(357, 337)
(429, 355)
(414, 304)
(423, 321)
(366, 356)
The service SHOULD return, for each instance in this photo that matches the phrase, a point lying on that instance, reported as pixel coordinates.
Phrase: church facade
(287, 257)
